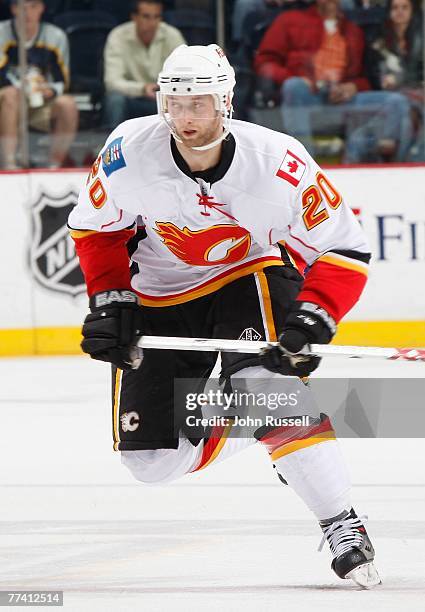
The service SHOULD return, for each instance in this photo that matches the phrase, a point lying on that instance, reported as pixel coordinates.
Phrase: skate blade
(365, 576)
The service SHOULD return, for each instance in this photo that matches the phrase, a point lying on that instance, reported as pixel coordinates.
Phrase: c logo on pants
(130, 421)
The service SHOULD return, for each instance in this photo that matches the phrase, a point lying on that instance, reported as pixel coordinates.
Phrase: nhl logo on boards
(53, 261)
(250, 334)
(129, 421)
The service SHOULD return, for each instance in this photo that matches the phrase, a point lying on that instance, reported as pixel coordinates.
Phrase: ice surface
(230, 538)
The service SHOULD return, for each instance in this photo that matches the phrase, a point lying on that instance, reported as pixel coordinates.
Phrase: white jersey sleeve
(321, 220)
(100, 207)
(323, 236)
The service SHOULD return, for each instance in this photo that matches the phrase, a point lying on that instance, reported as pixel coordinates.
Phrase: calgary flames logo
(216, 245)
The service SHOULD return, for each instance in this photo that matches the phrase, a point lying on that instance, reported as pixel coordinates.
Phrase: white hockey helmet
(194, 71)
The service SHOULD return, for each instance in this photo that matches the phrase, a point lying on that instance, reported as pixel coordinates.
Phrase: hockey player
(222, 219)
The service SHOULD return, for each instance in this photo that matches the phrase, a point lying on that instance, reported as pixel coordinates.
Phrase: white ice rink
(230, 538)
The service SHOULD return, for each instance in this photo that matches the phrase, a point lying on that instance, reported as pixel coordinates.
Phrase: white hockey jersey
(200, 236)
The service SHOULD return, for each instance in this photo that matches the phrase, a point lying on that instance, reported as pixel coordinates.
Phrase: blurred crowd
(343, 76)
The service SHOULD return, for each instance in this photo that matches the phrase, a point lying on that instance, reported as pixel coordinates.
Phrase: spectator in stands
(316, 56)
(134, 55)
(395, 59)
(45, 82)
(400, 47)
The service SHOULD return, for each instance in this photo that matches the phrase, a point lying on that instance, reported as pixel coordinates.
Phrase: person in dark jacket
(398, 51)
(316, 57)
(395, 58)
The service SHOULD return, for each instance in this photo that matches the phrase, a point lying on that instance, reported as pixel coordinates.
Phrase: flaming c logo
(219, 244)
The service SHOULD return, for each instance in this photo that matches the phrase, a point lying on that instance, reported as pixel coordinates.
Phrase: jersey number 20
(312, 200)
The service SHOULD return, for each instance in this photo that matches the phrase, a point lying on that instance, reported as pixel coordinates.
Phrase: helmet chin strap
(210, 145)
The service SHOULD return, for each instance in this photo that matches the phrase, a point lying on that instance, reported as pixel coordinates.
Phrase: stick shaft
(247, 346)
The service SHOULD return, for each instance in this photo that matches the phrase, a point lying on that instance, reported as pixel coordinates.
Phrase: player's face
(197, 122)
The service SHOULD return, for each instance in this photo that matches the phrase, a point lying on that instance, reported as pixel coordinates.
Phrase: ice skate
(352, 550)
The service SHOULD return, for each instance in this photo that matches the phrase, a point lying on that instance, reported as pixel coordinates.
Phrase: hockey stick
(247, 346)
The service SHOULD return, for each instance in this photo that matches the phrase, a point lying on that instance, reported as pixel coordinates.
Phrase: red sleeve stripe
(335, 288)
(308, 246)
(345, 262)
(112, 222)
(104, 260)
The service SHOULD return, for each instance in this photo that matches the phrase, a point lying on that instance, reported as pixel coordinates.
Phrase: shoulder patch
(113, 158)
(292, 168)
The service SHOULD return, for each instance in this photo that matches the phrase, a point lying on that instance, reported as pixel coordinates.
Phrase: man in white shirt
(134, 55)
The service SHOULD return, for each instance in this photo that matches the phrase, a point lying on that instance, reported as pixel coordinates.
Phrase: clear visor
(190, 107)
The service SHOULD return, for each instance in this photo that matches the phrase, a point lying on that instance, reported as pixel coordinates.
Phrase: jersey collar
(212, 175)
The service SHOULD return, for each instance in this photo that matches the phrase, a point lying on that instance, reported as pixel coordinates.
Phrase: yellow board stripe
(40, 341)
(291, 447)
(66, 340)
(381, 333)
(344, 264)
(117, 392)
(209, 287)
(219, 446)
(267, 303)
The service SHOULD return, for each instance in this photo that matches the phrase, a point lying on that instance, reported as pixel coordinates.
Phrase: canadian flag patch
(292, 168)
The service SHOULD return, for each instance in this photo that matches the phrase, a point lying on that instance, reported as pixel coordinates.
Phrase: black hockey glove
(110, 331)
(306, 324)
